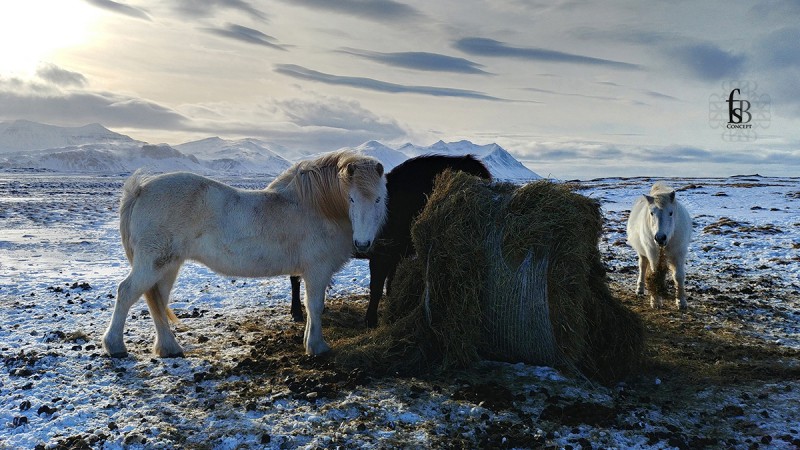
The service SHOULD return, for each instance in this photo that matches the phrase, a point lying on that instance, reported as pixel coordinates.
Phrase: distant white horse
(305, 223)
(659, 229)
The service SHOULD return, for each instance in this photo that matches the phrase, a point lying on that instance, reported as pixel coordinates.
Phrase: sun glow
(34, 31)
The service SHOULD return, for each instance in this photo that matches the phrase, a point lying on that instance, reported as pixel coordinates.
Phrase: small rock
(19, 421)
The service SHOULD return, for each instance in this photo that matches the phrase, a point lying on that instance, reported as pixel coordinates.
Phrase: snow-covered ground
(725, 374)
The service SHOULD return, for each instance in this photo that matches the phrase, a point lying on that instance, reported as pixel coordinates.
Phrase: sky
(573, 89)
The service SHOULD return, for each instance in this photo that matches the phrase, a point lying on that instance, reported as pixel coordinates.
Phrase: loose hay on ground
(507, 273)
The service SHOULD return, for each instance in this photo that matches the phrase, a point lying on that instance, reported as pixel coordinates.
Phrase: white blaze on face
(661, 220)
(367, 214)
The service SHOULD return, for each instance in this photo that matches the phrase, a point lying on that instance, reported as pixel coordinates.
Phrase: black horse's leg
(297, 306)
(378, 270)
(390, 276)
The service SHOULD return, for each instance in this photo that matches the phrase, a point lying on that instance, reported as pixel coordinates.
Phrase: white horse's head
(367, 196)
(661, 218)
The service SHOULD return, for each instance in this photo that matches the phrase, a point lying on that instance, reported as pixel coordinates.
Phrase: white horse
(659, 229)
(306, 223)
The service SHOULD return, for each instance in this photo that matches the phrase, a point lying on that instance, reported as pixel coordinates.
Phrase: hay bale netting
(505, 273)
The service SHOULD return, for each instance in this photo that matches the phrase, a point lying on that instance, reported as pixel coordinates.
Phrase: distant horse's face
(367, 205)
(660, 218)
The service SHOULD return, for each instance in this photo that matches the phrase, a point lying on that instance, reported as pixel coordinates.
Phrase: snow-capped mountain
(241, 156)
(388, 156)
(23, 135)
(501, 164)
(104, 158)
(96, 149)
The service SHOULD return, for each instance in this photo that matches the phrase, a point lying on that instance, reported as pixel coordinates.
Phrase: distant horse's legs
(297, 307)
(378, 271)
(315, 302)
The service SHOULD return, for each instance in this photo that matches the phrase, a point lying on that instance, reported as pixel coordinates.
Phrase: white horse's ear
(649, 199)
(351, 169)
(379, 167)
(672, 196)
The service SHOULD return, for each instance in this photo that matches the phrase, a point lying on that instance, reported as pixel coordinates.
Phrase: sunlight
(32, 31)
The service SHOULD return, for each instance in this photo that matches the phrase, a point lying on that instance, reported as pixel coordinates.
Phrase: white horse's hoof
(655, 303)
(168, 351)
(681, 304)
(114, 348)
(317, 349)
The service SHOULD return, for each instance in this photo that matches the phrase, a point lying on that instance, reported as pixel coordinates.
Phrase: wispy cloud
(386, 11)
(703, 60)
(303, 73)
(120, 8)
(707, 61)
(433, 62)
(490, 47)
(245, 34)
(779, 49)
(60, 77)
(207, 8)
(337, 113)
(47, 102)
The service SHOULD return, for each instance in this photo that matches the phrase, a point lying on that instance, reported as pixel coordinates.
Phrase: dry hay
(506, 273)
(656, 280)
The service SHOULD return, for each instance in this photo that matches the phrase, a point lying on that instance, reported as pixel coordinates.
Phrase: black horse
(409, 185)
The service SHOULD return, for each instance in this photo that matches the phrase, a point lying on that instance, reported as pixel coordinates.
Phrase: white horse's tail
(130, 192)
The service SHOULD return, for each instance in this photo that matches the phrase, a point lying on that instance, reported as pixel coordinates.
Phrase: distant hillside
(23, 135)
(96, 149)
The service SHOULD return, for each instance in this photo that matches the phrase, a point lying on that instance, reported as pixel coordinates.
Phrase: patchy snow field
(724, 374)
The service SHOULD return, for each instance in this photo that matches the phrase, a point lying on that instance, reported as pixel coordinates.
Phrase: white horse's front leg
(315, 303)
(679, 276)
(643, 263)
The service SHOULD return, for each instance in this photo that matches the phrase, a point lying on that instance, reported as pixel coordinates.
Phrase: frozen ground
(722, 375)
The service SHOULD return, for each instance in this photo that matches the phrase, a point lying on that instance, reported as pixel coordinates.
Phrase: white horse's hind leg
(315, 303)
(165, 346)
(128, 292)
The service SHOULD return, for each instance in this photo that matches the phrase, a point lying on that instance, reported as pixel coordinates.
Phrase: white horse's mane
(325, 181)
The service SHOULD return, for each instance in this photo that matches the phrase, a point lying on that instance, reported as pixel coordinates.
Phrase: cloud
(385, 11)
(432, 62)
(779, 49)
(699, 59)
(302, 73)
(707, 61)
(338, 113)
(60, 77)
(245, 34)
(47, 103)
(490, 47)
(120, 8)
(207, 8)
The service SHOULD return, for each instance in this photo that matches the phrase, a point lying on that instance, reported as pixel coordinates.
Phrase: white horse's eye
(378, 200)
(351, 200)
(670, 213)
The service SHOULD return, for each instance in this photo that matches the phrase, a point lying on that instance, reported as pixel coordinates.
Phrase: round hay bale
(507, 273)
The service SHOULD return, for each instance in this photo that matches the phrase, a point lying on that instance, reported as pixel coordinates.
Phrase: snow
(96, 149)
(60, 261)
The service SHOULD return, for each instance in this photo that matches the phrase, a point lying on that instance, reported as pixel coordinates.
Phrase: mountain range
(96, 149)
